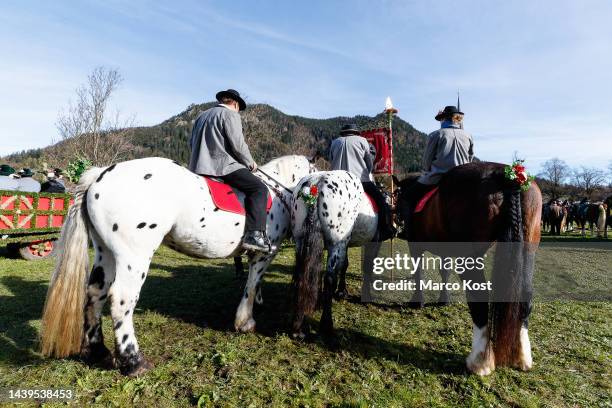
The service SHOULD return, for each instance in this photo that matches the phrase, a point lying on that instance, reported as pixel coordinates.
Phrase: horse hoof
(479, 364)
(415, 305)
(341, 294)
(97, 355)
(142, 368)
(135, 370)
(299, 335)
(247, 327)
(331, 341)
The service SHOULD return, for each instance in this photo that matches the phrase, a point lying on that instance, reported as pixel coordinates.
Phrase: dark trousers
(384, 214)
(256, 197)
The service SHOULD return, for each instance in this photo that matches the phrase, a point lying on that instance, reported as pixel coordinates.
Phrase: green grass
(388, 356)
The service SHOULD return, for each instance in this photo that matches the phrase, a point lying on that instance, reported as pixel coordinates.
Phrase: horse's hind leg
(342, 291)
(131, 271)
(93, 350)
(336, 258)
(417, 300)
(258, 264)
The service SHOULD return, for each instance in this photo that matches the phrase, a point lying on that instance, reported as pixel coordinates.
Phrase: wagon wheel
(37, 250)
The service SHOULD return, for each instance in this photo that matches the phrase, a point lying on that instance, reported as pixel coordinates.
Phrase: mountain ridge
(268, 131)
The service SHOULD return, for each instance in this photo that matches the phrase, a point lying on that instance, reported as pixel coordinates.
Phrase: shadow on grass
(17, 337)
(207, 297)
(217, 293)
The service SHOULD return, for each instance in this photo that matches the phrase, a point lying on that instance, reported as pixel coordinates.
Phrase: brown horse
(555, 218)
(476, 205)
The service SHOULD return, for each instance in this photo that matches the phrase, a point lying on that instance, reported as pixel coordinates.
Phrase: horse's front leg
(444, 298)
(336, 258)
(258, 263)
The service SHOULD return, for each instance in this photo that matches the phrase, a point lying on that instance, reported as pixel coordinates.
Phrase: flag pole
(391, 111)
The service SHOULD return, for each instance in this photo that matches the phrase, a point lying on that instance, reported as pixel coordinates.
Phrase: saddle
(372, 202)
(225, 197)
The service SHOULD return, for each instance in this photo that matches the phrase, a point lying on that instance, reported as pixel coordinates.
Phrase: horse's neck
(283, 168)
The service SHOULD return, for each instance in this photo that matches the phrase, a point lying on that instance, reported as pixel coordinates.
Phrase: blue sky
(535, 76)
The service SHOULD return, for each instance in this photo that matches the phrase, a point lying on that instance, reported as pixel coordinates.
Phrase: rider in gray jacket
(447, 147)
(353, 153)
(218, 149)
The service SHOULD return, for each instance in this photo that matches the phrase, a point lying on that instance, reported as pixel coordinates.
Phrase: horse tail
(510, 276)
(63, 314)
(308, 262)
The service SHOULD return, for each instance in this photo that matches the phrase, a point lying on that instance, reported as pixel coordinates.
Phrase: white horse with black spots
(128, 210)
(341, 217)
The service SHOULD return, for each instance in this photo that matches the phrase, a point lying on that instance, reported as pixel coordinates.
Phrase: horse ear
(395, 180)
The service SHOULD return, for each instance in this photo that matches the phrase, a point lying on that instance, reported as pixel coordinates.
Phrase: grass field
(388, 357)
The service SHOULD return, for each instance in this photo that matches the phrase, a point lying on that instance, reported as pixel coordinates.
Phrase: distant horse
(341, 217)
(608, 204)
(594, 214)
(546, 217)
(128, 210)
(475, 204)
(555, 218)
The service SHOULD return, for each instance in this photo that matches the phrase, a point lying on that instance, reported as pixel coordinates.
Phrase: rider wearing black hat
(218, 149)
(353, 153)
(447, 147)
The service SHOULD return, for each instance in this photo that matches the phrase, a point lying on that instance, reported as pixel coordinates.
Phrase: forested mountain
(269, 132)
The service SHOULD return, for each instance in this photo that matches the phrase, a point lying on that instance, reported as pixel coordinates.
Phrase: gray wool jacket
(354, 154)
(217, 143)
(446, 148)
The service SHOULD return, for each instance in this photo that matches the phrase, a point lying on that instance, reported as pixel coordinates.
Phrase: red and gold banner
(381, 140)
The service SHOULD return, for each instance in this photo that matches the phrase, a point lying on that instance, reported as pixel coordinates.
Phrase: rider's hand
(253, 167)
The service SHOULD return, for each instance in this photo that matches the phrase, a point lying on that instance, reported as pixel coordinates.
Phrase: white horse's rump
(131, 208)
(342, 217)
(345, 212)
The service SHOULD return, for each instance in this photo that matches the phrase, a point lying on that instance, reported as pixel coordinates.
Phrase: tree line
(558, 181)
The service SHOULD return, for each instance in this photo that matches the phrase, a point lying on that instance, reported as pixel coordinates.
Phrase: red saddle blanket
(225, 198)
(374, 206)
(423, 201)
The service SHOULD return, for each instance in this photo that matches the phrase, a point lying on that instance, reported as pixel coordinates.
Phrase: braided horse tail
(511, 301)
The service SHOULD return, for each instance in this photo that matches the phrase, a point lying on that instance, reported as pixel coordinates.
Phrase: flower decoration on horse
(309, 195)
(517, 173)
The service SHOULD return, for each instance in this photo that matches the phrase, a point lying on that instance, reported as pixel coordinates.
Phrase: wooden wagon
(30, 223)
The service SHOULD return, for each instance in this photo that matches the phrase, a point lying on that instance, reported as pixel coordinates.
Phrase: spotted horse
(341, 217)
(128, 210)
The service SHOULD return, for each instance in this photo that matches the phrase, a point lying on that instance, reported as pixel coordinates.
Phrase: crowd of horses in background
(559, 217)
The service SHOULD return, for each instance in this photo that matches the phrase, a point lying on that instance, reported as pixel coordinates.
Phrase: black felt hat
(26, 172)
(233, 94)
(350, 129)
(447, 112)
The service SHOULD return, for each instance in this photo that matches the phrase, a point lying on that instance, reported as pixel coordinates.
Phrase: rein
(274, 188)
